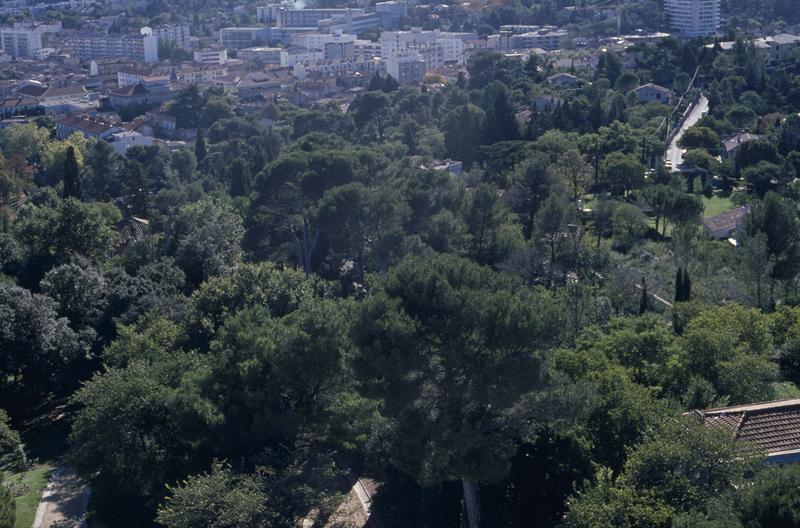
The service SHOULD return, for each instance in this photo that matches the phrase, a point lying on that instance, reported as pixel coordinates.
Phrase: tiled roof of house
(655, 87)
(731, 143)
(18, 101)
(727, 220)
(86, 124)
(72, 89)
(32, 90)
(773, 427)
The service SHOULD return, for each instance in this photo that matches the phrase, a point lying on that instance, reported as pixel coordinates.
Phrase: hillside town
(90, 78)
(399, 264)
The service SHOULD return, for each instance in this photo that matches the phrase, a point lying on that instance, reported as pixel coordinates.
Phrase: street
(674, 155)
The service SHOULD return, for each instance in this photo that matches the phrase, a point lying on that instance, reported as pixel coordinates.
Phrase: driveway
(63, 503)
(674, 155)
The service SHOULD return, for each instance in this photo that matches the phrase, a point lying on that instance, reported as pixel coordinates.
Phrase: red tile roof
(773, 427)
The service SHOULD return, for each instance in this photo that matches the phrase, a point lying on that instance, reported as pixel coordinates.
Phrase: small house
(650, 92)
(772, 428)
(563, 79)
(725, 225)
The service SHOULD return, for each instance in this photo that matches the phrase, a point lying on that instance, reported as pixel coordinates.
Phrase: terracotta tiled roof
(32, 90)
(85, 124)
(773, 427)
(728, 220)
(18, 101)
(72, 89)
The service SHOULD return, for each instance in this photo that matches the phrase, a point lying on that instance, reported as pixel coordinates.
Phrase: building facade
(177, 33)
(142, 47)
(693, 18)
(243, 37)
(22, 43)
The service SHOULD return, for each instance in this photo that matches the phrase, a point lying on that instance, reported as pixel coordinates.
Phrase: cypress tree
(390, 84)
(200, 151)
(687, 286)
(72, 175)
(376, 83)
(644, 304)
(679, 285)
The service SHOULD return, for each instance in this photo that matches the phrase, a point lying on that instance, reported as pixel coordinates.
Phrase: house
(726, 224)
(730, 144)
(545, 103)
(146, 93)
(122, 141)
(563, 79)
(773, 428)
(88, 126)
(650, 92)
(63, 94)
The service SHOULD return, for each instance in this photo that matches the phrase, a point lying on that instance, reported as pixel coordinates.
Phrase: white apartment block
(264, 55)
(21, 43)
(400, 43)
(545, 39)
(330, 68)
(142, 47)
(319, 40)
(693, 18)
(177, 33)
(211, 56)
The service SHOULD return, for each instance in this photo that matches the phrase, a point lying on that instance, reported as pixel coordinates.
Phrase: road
(63, 503)
(674, 155)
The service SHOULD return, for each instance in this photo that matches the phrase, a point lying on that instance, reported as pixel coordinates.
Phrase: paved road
(674, 155)
(63, 503)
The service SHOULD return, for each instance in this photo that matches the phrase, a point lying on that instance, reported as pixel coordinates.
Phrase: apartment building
(333, 68)
(693, 18)
(21, 43)
(142, 47)
(264, 55)
(406, 69)
(452, 45)
(391, 12)
(211, 56)
(545, 39)
(177, 33)
(334, 46)
(243, 37)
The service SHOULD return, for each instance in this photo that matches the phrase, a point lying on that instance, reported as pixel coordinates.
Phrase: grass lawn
(33, 481)
(716, 205)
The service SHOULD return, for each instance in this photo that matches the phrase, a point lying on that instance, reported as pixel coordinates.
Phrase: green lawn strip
(716, 205)
(32, 482)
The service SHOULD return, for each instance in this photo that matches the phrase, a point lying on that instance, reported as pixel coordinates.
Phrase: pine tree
(72, 175)
(200, 151)
(7, 508)
(644, 303)
(679, 285)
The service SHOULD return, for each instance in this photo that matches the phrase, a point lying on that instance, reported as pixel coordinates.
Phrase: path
(673, 158)
(63, 503)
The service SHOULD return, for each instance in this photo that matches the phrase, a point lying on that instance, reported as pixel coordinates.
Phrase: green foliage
(7, 508)
(137, 428)
(480, 336)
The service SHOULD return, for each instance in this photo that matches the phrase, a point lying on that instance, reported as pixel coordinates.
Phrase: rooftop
(727, 220)
(773, 427)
